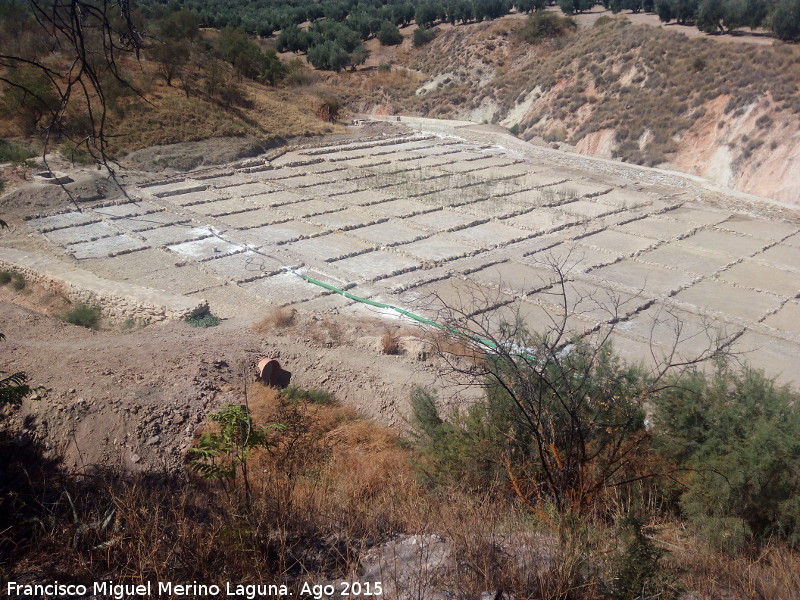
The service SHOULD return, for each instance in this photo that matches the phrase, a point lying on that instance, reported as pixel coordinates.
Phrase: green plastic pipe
(405, 313)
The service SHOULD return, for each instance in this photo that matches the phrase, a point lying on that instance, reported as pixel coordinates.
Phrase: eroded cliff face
(599, 143)
(755, 149)
(757, 152)
(727, 112)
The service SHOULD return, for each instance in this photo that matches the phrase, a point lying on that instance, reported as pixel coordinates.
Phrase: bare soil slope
(138, 398)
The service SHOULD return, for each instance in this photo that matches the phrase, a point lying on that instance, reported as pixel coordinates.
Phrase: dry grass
(325, 332)
(184, 112)
(172, 117)
(284, 113)
(396, 82)
(279, 317)
(390, 342)
(773, 573)
(453, 348)
(334, 486)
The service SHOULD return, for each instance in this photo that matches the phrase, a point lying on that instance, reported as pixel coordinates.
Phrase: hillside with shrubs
(618, 90)
(576, 476)
(573, 475)
(183, 84)
(614, 89)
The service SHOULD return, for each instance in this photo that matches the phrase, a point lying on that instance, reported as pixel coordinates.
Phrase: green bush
(17, 280)
(603, 20)
(328, 108)
(205, 319)
(638, 569)
(465, 450)
(329, 56)
(423, 36)
(14, 152)
(389, 35)
(83, 315)
(785, 20)
(295, 395)
(223, 455)
(737, 435)
(542, 25)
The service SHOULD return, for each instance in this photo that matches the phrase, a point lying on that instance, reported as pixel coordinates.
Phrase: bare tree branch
(91, 37)
(577, 410)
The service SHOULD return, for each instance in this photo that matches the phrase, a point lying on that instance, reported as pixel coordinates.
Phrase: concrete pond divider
(118, 301)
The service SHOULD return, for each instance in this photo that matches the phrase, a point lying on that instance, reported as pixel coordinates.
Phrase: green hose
(488, 343)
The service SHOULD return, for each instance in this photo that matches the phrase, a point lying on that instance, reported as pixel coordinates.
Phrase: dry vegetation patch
(390, 342)
(279, 317)
(152, 113)
(337, 495)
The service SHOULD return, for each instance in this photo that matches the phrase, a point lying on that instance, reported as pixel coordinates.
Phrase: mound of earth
(185, 156)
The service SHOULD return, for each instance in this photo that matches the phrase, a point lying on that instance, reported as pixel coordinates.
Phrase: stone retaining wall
(118, 301)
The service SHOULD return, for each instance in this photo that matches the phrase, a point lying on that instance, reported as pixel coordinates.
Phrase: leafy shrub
(639, 573)
(83, 315)
(328, 108)
(298, 74)
(514, 129)
(233, 46)
(738, 436)
(224, 455)
(15, 153)
(18, 281)
(329, 56)
(763, 121)
(29, 96)
(465, 450)
(542, 25)
(272, 69)
(295, 395)
(205, 319)
(785, 21)
(384, 68)
(390, 35)
(603, 20)
(570, 7)
(423, 36)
